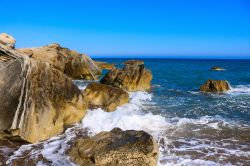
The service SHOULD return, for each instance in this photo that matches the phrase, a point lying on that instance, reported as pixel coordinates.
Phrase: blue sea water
(176, 82)
(195, 128)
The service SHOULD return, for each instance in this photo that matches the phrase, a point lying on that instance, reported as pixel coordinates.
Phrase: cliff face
(37, 100)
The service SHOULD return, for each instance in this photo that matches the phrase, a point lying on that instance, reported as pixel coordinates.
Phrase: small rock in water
(217, 68)
(215, 86)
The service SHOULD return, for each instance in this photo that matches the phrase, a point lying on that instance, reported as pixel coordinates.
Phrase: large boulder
(7, 40)
(133, 77)
(37, 101)
(72, 63)
(115, 148)
(215, 86)
(104, 96)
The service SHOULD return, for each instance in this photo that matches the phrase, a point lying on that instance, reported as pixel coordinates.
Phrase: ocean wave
(240, 89)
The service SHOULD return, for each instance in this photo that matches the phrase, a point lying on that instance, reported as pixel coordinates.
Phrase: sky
(132, 28)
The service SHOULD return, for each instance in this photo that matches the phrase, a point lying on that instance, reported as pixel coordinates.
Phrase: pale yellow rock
(37, 101)
(104, 96)
(72, 63)
(7, 40)
(133, 77)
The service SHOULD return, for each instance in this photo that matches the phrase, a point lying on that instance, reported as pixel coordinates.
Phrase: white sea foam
(239, 89)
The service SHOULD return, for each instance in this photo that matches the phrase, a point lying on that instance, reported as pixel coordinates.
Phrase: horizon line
(169, 57)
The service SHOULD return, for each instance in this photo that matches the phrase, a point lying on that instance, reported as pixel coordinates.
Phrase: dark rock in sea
(217, 68)
(215, 86)
(7, 40)
(72, 63)
(104, 65)
(115, 148)
(133, 77)
(104, 96)
(37, 101)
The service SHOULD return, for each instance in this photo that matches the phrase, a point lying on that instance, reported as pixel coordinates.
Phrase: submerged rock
(115, 148)
(133, 77)
(217, 68)
(104, 96)
(104, 65)
(37, 101)
(215, 86)
(7, 40)
(72, 63)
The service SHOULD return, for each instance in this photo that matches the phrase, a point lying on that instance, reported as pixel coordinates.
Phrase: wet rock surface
(104, 96)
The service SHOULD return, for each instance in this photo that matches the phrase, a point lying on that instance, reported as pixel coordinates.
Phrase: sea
(192, 128)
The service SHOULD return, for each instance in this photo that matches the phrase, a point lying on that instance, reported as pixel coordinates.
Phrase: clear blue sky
(132, 27)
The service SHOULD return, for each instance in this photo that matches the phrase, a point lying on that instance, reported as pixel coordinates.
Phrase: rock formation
(7, 40)
(217, 68)
(104, 96)
(37, 101)
(215, 86)
(72, 63)
(104, 65)
(115, 148)
(133, 77)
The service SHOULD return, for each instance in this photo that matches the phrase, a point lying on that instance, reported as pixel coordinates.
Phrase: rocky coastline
(40, 105)
(39, 101)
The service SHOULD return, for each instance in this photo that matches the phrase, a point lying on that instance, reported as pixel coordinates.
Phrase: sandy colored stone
(104, 65)
(134, 62)
(37, 101)
(72, 63)
(215, 86)
(104, 96)
(115, 148)
(7, 40)
(133, 77)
